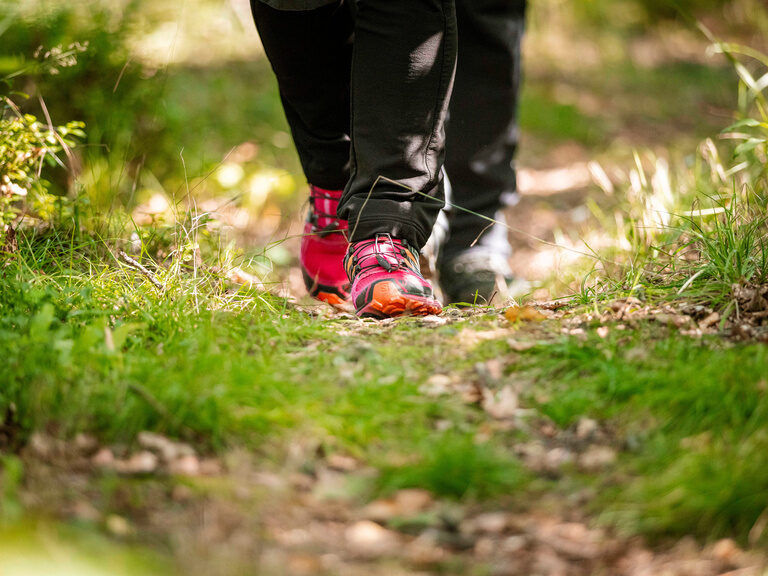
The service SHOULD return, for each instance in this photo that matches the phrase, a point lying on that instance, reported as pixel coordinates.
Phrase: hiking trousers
(368, 92)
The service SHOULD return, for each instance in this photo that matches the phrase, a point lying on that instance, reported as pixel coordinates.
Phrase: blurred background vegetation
(179, 106)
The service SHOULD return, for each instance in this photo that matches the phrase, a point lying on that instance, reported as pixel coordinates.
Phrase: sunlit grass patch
(690, 416)
(456, 467)
(47, 548)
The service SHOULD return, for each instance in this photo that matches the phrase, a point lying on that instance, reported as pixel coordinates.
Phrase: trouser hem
(402, 228)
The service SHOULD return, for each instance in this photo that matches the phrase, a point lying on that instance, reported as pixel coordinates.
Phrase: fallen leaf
(710, 320)
(523, 314)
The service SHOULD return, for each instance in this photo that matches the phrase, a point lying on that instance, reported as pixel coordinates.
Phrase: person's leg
(403, 66)
(482, 140)
(311, 54)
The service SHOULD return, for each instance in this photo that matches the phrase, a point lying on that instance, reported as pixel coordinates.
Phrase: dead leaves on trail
(524, 314)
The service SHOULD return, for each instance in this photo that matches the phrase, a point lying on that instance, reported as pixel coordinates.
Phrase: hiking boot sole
(385, 300)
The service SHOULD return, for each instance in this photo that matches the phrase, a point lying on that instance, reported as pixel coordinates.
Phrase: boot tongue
(386, 253)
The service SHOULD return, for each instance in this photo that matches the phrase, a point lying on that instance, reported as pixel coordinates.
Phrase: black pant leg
(482, 130)
(311, 55)
(403, 66)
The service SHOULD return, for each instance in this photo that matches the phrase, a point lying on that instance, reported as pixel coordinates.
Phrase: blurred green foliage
(25, 145)
(101, 88)
(645, 13)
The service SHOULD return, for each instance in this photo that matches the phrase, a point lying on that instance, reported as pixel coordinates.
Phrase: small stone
(490, 522)
(181, 493)
(342, 463)
(405, 503)
(556, 458)
(166, 448)
(726, 550)
(513, 544)
(596, 458)
(381, 510)
(104, 458)
(603, 331)
(140, 463)
(485, 547)
(571, 539)
(519, 346)
(304, 565)
(185, 466)
(494, 369)
(425, 549)
(210, 467)
(86, 444)
(432, 320)
(301, 481)
(118, 525)
(331, 485)
(502, 404)
(83, 510)
(412, 501)
(586, 428)
(370, 539)
(40, 445)
(437, 385)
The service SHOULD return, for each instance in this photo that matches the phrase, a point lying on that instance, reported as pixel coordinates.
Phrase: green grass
(457, 468)
(690, 414)
(89, 346)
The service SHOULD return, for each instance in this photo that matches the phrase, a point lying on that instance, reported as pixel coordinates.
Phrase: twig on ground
(135, 264)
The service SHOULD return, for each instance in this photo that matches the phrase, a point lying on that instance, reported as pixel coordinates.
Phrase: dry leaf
(523, 314)
(710, 320)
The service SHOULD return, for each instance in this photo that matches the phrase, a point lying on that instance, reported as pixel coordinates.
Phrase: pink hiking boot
(323, 247)
(386, 280)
